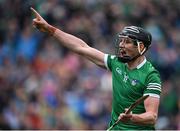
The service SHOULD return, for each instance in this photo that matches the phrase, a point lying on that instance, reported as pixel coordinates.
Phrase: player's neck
(133, 64)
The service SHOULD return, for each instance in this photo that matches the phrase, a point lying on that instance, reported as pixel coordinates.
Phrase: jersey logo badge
(118, 70)
(134, 82)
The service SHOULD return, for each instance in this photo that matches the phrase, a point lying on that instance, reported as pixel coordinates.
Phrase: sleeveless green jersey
(128, 86)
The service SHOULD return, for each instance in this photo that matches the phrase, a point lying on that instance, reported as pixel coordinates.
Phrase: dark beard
(127, 59)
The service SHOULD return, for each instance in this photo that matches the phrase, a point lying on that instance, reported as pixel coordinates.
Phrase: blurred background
(45, 86)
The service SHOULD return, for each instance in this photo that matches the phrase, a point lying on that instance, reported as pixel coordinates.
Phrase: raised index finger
(35, 12)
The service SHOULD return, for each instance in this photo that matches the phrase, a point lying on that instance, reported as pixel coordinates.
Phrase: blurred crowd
(45, 86)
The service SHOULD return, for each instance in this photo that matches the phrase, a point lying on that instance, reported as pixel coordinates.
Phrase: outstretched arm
(69, 41)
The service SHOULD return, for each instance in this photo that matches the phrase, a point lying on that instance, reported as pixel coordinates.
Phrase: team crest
(134, 82)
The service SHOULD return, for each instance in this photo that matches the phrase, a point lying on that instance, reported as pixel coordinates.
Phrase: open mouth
(122, 53)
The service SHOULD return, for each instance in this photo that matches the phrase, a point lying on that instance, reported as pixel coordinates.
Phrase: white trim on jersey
(159, 87)
(154, 84)
(142, 63)
(151, 94)
(151, 88)
(106, 61)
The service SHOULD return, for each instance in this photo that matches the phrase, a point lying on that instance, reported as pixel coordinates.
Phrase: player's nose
(122, 44)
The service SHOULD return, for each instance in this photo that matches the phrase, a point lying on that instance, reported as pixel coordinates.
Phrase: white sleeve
(106, 61)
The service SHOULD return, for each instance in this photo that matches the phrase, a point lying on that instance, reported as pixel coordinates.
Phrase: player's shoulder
(112, 57)
(150, 68)
(111, 62)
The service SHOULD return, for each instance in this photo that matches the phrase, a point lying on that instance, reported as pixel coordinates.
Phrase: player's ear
(141, 46)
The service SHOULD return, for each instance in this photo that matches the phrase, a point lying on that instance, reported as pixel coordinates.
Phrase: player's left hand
(125, 117)
(39, 22)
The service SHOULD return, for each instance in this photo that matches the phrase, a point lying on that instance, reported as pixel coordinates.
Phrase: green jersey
(128, 86)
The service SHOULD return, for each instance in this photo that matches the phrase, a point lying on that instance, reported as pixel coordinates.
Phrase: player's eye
(122, 40)
(129, 40)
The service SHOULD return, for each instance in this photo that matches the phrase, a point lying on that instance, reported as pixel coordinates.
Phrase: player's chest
(128, 81)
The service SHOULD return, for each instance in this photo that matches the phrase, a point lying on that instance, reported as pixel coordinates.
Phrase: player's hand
(125, 117)
(39, 22)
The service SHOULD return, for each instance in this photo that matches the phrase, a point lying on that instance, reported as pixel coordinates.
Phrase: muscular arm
(69, 41)
(80, 47)
(149, 117)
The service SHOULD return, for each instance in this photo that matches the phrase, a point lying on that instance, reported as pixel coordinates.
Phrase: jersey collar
(142, 63)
